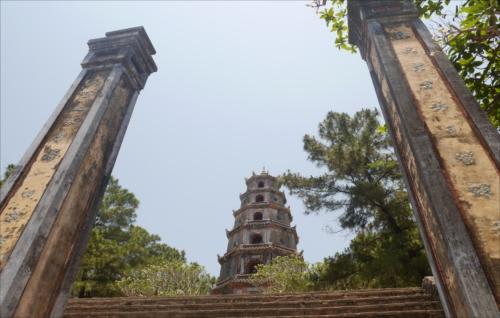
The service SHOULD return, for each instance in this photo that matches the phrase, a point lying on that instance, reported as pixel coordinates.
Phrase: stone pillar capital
(130, 48)
(360, 12)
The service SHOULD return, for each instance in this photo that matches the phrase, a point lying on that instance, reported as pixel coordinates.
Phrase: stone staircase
(372, 303)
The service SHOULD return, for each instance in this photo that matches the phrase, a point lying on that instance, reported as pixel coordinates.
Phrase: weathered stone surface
(41, 171)
(449, 152)
(429, 286)
(48, 205)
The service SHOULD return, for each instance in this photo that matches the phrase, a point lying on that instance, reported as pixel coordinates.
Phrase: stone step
(259, 297)
(262, 312)
(160, 304)
(387, 314)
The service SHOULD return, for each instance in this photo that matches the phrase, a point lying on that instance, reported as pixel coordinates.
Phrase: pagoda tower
(261, 232)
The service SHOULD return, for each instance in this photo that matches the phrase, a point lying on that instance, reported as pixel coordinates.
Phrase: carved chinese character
(70, 121)
(58, 137)
(11, 230)
(409, 50)
(439, 107)
(496, 227)
(79, 108)
(50, 153)
(27, 194)
(12, 216)
(426, 85)
(85, 93)
(38, 173)
(398, 35)
(418, 67)
(481, 190)
(451, 131)
(467, 158)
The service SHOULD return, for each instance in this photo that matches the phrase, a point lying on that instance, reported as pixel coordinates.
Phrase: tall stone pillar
(447, 149)
(48, 206)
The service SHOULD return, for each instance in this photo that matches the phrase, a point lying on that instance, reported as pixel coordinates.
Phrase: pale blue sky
(238, 85)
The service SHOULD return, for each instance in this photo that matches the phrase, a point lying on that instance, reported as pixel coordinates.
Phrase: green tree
(373, 260)
(362, 183)
(117, 246)
(470, 38)
(284, 274)
(8, 171)
(167, 278)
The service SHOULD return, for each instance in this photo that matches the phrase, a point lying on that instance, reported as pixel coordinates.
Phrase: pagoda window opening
(257, 216)
(260, 184)
(259, 198)
(251, 267)
(256, 238)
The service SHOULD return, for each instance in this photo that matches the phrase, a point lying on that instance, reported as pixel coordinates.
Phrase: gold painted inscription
(473, 175)
(19, 208)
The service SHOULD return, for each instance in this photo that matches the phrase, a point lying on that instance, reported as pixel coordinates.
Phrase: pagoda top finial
(263, 174)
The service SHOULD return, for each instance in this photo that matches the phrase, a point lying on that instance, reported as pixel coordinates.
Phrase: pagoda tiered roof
(261, 205)
(261, 224)
(257, 248)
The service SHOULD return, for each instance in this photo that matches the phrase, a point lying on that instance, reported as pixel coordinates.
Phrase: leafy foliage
(470, 39)
(8, 171)
(117, 247)
(362, 177)
(167, 279)
(362, 183)
(374, 260)
(283, 274)
(335, 17)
